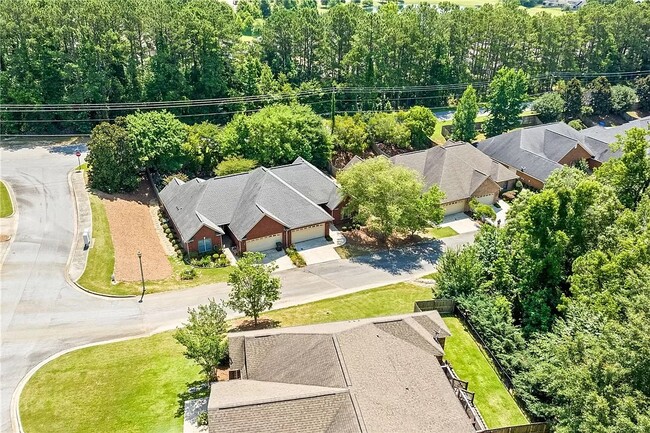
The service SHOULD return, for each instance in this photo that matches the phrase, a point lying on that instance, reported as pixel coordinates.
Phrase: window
(205, 245)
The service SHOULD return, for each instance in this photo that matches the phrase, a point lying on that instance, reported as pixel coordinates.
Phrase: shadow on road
(403, 260)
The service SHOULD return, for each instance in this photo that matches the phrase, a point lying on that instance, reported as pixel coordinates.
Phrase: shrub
(350, 134)
(188, 274)
(549, 107)
(179, 176)
(170, 236)
(480, 211)
(234, 166)
(165, 227)
(167, 230)
(577, 124)
(202, 419)
(295, 257)
(385, 128)
(215, 256)
(623, 98)
(421, 123)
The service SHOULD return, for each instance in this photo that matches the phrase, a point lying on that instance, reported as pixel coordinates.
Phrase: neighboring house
(461, 171)
(599, 139)
(536, 151)
(254, 210)
(371, 375)
(570, 4)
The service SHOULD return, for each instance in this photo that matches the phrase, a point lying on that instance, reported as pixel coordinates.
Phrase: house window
(205, 245)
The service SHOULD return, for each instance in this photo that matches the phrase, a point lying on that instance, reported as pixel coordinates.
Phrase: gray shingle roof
(535, 150)
(457, 168)
(599, 138)
(386, 365)
(290, 194)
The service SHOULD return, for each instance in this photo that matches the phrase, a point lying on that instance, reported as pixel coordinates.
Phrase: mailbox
(86, 239)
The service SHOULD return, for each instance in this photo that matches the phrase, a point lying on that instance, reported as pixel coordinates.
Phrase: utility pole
(333, 108)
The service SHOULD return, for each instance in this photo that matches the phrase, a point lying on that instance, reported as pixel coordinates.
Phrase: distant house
(371, 375)
(255, 210)
(461, 171)
(534, 152)
(599, 139)
(570, 4)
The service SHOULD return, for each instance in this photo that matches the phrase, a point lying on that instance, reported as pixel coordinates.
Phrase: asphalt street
(41, 314)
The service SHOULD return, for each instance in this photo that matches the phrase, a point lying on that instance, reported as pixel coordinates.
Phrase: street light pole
(141, 275)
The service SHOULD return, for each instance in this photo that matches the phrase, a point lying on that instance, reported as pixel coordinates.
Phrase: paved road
(42, 315)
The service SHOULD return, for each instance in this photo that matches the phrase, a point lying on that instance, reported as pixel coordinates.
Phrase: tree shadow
(194, 390)
(404, 259)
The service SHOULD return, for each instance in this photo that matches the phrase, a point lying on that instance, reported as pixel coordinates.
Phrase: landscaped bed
(132, 386)
(101, 262)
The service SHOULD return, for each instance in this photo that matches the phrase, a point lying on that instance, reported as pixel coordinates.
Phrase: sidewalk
(79, 256)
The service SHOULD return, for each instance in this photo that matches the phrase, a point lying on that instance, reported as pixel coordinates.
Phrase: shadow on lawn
(404, 259)
(196, 389)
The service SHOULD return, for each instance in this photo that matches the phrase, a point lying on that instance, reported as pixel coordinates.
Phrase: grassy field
(492, 399)
(132, 386)
(6, 206)
(101, 262)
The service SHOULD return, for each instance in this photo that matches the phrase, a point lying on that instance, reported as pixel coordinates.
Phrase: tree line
(65, 51)
(561, 294)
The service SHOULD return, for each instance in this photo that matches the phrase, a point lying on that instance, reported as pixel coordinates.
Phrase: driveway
(278, 258)
(321, 250)
(42, 314)
(460, 222)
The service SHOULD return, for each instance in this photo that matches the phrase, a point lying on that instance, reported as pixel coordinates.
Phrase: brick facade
(204, 232)
(265, 227)
(575, 155)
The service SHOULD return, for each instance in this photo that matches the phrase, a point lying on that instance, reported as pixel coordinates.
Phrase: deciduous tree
(506, 95)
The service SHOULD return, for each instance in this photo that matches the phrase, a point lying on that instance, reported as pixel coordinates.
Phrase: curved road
(41, 314)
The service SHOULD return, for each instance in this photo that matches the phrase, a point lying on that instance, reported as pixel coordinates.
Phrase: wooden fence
(540, 427)
(445, 306)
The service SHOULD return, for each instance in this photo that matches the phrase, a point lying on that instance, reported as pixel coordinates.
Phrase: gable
(265, 227)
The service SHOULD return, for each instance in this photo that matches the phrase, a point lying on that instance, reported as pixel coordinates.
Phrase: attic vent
(234, 374)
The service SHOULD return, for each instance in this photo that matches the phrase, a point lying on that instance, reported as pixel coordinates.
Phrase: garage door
(454, 207)
(307, 233)
(486, 199)
(263, 244)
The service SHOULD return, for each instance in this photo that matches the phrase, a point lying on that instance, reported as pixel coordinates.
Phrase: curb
(74, 245)
(13, 215)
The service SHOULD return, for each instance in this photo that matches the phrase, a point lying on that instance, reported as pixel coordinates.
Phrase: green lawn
(132, 386)
(6, 206)
(441, 232)
(491, 397)
(101, 262)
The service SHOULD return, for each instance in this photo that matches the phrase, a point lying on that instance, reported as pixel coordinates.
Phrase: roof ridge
(270, 172)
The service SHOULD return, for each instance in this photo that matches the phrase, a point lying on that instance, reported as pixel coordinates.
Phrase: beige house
(371, 375)
(462, 172)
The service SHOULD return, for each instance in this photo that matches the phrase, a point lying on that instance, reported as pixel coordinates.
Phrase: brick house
(370, 375)
(599, 139)
(534, 152)
(253, 211)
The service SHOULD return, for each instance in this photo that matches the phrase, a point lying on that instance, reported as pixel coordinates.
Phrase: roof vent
(234, 374)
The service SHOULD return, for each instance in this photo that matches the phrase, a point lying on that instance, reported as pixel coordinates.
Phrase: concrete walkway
(8, 225)
(83, 221)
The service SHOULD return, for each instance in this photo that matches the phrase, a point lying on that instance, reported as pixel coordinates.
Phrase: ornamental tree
(253, 289)
(388, 198)
(204, 336)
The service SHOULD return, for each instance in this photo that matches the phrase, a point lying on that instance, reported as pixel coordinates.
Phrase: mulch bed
(342, 157)
(132, 230)
(363, 239)
(249, 324)
(392, 150)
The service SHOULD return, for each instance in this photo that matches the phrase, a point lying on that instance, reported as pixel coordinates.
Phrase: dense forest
(562, 294)
(98, 51)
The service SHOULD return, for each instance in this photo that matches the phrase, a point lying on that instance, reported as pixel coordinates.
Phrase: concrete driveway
(460, 222)
(321, 250)
(278, 258)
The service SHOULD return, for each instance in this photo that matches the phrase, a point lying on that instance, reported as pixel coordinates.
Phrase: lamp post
(141, 275)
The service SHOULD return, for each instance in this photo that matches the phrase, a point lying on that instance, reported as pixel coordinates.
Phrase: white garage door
(307, 233)
(263, 244)
(486, 199)
(454, 207)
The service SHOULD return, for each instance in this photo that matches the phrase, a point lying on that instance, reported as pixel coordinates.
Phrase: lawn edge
(12, 198)
(75, 239)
